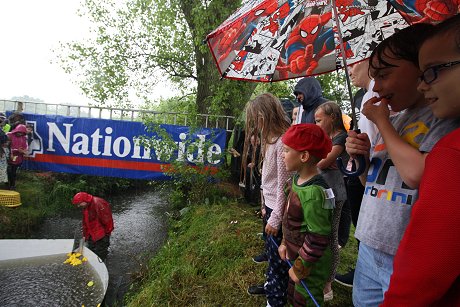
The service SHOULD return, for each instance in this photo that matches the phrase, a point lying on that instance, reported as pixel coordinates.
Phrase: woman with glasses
(427, 263)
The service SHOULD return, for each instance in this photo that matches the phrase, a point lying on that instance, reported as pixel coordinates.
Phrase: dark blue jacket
(313, 97)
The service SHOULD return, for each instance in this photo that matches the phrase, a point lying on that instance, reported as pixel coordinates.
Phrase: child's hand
(357, 144)
(293, 276)
(234, 153)
(282, 251)
(269, 230)
(375, 111)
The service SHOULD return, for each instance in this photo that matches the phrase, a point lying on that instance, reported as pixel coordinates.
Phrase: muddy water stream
(140, 230)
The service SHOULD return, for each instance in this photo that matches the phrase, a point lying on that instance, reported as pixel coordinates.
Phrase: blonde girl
(329, 117)
(266, 119)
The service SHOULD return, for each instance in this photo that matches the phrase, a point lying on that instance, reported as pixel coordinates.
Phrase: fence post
(20, 106)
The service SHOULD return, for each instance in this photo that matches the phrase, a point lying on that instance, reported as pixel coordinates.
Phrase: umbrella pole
(361, 159)
(344, 59)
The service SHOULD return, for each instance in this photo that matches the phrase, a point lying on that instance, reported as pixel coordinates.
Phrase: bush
(192, 184)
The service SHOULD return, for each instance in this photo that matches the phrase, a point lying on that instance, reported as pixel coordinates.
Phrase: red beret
(82, 197)
(308, 137)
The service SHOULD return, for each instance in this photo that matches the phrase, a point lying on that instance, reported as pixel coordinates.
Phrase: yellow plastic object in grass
(10, 198)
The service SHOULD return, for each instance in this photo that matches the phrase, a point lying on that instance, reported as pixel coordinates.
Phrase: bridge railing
(172, 118)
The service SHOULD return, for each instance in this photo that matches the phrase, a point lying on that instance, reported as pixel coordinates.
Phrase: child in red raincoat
(97, 222)
(18, 148)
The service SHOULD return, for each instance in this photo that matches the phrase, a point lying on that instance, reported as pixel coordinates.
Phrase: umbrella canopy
(273, 40)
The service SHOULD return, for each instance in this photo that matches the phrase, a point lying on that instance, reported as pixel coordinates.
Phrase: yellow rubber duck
(74, 259)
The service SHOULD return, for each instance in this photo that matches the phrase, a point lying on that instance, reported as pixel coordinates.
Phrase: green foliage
(207, 262)
(193, 176)
(281, 89)
(230, 96)
(63, 187)
(183, 104)
(48, 194)
(193, 184)
(135, 44)
(335, 88)
(26, 98)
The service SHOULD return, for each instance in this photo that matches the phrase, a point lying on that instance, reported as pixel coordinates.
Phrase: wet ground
(140, 230)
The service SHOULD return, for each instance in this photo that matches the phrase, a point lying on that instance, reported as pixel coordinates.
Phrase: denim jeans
(372, 276)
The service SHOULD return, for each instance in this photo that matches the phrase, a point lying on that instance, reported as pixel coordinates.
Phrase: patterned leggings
(277, 274)
(335, 239)
(277, 271)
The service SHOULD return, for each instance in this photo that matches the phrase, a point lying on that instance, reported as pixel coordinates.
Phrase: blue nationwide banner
(114, 148)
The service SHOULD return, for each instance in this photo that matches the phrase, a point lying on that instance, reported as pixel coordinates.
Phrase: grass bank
(19, 222)
(207, 261)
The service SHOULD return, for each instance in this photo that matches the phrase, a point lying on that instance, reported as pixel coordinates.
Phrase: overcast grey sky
(29, 31)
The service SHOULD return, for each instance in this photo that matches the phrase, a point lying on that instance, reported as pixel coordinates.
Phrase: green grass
(19, 222)
(348, 254)
(207, 262)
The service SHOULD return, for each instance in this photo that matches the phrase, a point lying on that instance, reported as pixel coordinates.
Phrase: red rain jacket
(97, 219)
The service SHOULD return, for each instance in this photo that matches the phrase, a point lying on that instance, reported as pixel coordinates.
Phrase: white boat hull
(20, 249)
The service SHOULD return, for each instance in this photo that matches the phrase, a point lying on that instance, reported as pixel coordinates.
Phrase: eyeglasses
(430, 74)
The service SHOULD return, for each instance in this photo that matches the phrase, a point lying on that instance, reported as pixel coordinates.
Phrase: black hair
(402, 45)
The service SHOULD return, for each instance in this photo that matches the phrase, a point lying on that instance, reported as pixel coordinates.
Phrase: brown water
(47, 281)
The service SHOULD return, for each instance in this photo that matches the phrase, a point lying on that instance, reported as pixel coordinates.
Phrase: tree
(282, 89)
(335, 88)
(136, 41)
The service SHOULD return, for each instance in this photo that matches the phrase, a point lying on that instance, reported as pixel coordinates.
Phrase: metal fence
(172, 118)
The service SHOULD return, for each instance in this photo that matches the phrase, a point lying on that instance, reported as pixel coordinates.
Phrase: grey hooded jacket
(313, 97)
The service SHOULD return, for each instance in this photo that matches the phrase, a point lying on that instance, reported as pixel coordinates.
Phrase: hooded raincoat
(18, 144)
(313, 97)
(97, 217)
